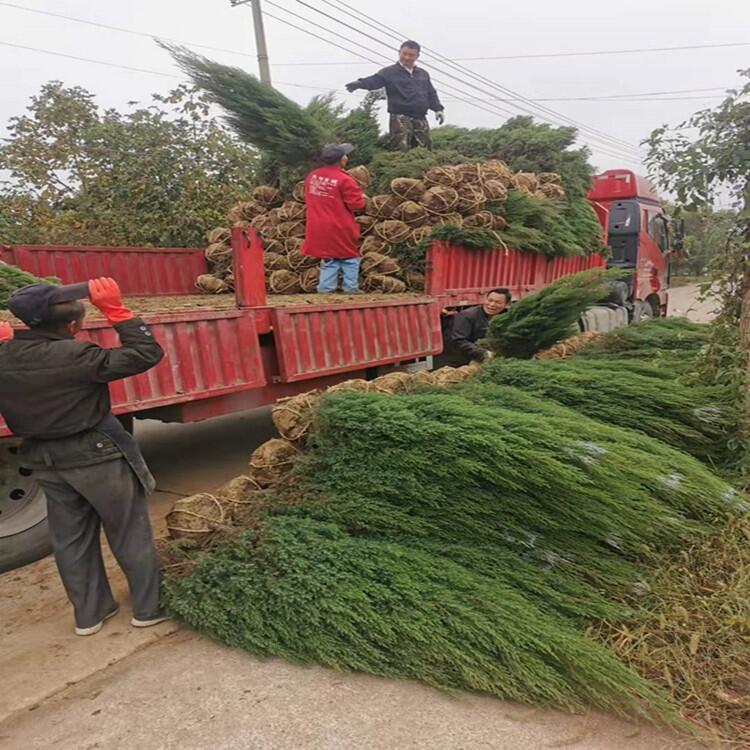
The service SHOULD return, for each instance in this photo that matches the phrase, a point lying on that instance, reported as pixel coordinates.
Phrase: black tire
(24, 535)
(642, 311)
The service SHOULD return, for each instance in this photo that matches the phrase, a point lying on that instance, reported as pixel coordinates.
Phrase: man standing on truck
(332, 233)
(470, 326)
(54, 394)
(410, 94)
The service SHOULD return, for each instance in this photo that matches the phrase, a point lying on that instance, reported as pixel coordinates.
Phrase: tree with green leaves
(705, 156)
(161, 175)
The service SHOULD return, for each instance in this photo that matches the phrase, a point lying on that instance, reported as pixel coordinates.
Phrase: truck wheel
(24, 536)
(642, 311)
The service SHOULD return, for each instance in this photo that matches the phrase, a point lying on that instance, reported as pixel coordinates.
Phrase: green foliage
(540, 320)
(526, 146)
(653, 336)
(259, 114)
(553, 228)
(161, 175)
(12, 278)
(695, 419)
(310, 592)
(706, 235)
(388, 165)
(444, 536)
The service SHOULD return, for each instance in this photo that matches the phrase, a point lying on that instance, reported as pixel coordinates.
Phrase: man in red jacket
(332, 233)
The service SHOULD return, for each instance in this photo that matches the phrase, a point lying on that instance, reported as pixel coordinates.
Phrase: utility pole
(260, 39)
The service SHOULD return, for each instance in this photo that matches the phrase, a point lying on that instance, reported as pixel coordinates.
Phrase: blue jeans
(329, 275)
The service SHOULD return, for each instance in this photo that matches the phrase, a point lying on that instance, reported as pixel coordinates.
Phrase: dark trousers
(409, 132)
(79, 502)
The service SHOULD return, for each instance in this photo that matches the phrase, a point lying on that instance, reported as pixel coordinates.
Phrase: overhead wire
(613, 150)
(557, 116)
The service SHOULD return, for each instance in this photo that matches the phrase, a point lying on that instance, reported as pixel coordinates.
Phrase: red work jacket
(331, 195)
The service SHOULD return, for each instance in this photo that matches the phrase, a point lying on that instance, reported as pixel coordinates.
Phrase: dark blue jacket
(408, 93)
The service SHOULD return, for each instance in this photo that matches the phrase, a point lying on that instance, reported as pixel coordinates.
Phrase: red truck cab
(637, 234)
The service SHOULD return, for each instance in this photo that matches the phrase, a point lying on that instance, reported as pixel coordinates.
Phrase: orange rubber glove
(6, 332)
(105, 294)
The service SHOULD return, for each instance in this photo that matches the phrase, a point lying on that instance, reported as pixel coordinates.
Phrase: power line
(606, 52)
(121, 29)
(540, 55)
(472, 101)
(88, 60)
(592, 133)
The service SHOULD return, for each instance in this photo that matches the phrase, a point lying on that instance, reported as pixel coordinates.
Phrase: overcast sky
(467, 29)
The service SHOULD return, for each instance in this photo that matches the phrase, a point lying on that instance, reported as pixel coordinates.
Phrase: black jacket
(408, 93)
(53, 387)
(467, 327)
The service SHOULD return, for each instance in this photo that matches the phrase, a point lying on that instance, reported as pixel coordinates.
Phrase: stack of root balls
(470, 195)
(204, 517)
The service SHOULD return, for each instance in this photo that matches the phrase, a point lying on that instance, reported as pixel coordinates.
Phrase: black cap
(31, 303)
(332, 152)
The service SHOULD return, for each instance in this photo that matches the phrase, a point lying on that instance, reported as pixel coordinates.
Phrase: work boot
(96, 628)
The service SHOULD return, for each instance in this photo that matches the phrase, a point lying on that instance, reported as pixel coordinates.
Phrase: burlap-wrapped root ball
(293, 244)
(549, 178)
(195, 517)
(373, 244)
(361, 175)
(413, 214)
(495, 191)
(494, 169)
(452, 375)
(469, 173)
(481, 220)
(415, 281)
(293, 416)
(418, 235)
(309, 278)
(275, 261)
(293, 211)
(218, 252)
(239, 495)
(274, 246)
(366, 223)
(407, 189)
(568, 347)
(450, 218)
(440, 199)
(289, 229)
(423, 377)
(347, 386)
(284, 282)
(222, 235)
(298, 262)
(209, 284)
(383, 207)
(391, 383)
(392, 232)
(263, 222)
(499, 223)
(551, 191)
(267, 195)
(471, 198)
(298, 193)
(525, 182)
(446, 175)
(245, 211)
(378, 282)
(378, 263)
(271, 460)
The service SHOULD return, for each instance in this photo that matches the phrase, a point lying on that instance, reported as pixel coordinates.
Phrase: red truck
(227, 354)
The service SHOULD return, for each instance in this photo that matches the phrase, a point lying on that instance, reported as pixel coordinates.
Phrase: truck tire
(24, 536)
(642, 311)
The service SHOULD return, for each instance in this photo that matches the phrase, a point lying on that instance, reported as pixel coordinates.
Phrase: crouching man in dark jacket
(54, 393)
(470, 326)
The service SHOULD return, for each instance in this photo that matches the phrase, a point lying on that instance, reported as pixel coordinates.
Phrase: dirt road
(170, 688)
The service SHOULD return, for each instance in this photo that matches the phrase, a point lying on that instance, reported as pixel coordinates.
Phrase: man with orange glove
(54, 394)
